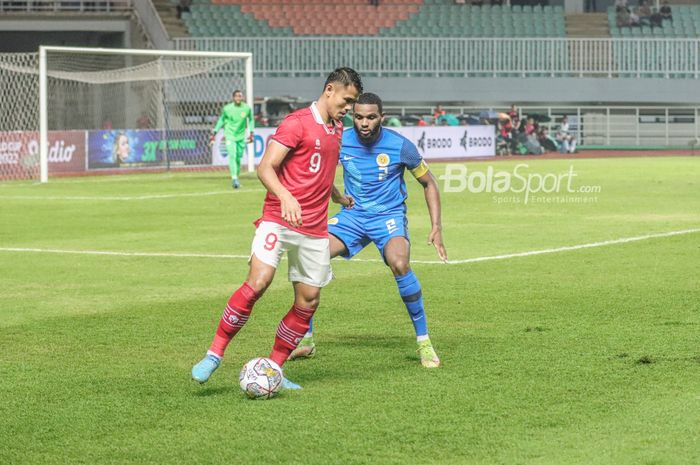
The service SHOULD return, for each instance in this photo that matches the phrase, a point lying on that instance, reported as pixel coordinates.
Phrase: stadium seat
(393, 18)
(430, 18)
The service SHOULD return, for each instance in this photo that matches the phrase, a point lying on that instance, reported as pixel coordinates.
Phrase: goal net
(19, 116)
(76, 110)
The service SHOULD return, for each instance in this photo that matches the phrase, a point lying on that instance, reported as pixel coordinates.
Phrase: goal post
(175, 97)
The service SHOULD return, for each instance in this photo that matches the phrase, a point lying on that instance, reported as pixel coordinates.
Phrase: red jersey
(308, 170)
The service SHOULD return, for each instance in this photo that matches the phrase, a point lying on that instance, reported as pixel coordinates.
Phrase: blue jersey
(373, 175)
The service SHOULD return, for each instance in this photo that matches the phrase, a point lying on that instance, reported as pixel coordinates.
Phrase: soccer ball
(261, 378)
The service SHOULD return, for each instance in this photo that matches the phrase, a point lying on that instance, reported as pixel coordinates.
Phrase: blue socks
(412, 297)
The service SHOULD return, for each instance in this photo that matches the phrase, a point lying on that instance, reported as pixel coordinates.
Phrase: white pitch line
(125, 197)
(567, 248)
(426, 262)
(121, 254)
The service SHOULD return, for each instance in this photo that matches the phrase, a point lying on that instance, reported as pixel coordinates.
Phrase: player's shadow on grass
(383, 342)
(216, 391)
(372, 351)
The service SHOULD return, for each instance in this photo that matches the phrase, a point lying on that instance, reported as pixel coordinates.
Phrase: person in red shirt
(297, 169)
(514, 115)
(437, 113)
(530, 127)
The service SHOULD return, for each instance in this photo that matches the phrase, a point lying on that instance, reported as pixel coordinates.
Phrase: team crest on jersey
(383, 159)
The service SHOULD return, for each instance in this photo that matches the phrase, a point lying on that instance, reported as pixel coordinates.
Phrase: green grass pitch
(588, 356)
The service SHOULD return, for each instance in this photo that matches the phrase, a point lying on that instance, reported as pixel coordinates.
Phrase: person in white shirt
(566, 140)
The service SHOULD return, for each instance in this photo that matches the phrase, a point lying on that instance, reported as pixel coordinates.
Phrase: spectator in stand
(666, 10)
(530, 127)
(393, 122)
(144, 122)
(566, 140)
(182, 6)
(644, 13)
(546, 141)
(531, 143)
(514, 115)
(634, 18)
(439, 111)
(448, 119)
(504, 140)
(261, 120)
(656, 19)
(620, 3)
(622, 16)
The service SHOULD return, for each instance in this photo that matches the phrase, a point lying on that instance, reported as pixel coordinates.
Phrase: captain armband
(420, 170)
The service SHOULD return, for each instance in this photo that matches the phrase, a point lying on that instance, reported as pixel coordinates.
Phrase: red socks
(235, 315)
(290, 332)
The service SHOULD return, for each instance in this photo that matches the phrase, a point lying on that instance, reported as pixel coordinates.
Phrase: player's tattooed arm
(267, 173)
(344, 200)
(432, 198)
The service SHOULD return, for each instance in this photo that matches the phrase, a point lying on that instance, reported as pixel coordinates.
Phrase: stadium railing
(612, 127)
(469, 57)
(152, 24)
(31, 6)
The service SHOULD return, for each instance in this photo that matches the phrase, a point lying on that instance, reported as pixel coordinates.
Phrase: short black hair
(237, 91)
(368, 98)
(345, 76)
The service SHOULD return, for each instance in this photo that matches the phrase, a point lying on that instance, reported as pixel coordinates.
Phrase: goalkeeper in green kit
(235, 117)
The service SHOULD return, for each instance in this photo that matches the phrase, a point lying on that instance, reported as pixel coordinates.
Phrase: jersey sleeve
(289, 133)
(412, 159)
(220, 122)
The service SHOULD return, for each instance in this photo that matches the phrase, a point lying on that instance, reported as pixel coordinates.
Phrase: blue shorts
(356, 229)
